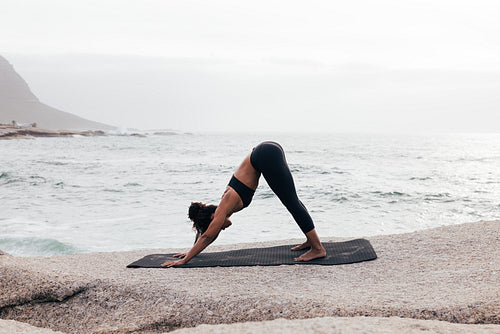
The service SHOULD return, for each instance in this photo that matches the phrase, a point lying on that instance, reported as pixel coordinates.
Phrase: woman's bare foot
(301, 247)
(317, 250)
(311, 255)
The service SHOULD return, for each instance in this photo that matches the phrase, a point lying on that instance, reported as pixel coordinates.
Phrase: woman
(269, 160)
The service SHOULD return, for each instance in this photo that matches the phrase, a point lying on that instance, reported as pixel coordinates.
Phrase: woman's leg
(269, 159)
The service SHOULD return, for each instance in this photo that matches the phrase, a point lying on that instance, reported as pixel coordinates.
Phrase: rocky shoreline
(12, 131)
(449, 275)
(26, 132)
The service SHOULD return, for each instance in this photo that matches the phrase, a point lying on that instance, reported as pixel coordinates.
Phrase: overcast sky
(342, 66)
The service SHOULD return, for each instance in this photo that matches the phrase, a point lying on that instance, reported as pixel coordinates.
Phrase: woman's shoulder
(230, 202)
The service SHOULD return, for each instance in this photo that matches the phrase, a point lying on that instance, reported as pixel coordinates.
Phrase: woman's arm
(182, 255)
(206, 239)
(229, 203)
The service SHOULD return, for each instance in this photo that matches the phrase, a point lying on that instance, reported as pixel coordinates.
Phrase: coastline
(27, 132)
(448, 274)
(15, 131)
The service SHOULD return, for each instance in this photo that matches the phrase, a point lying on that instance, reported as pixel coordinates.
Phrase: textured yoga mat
(336, 253)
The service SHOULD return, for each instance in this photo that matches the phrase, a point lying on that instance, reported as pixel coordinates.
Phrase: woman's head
(201, 216)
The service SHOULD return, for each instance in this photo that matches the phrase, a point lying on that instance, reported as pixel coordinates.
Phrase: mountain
(18, 103)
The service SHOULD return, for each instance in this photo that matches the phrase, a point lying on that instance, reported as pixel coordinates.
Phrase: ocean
(119, 193)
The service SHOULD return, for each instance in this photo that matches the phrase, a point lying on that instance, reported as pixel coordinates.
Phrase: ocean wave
(8, 178)
(109, 190)
(36, 180)
(52, 163)
(439, 197)
(165, 133)
(264, 194)
(33, 180)
(340, 199)
(425, 178)
(31, 246)
(132, 184)
(389, 193)
(316, 169)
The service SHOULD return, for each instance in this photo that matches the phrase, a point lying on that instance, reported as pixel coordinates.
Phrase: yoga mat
(336, 253)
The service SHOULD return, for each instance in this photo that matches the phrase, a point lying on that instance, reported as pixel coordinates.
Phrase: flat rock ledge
(327, 325)
(449, 275)
(342, 325)
(16, 327)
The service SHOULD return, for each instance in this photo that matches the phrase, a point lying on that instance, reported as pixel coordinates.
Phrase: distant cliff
(18, 103)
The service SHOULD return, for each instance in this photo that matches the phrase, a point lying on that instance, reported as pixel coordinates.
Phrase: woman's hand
(174, 263)
(206, 239)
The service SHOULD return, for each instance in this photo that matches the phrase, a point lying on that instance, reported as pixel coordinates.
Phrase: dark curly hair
(201, 216)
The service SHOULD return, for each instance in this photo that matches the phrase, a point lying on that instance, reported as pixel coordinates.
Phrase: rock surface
(330, 325)
(449, 274)
(16, 327)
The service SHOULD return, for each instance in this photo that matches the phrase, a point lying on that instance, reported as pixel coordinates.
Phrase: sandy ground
(450, 274)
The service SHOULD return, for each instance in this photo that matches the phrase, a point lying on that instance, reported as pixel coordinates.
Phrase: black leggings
(269, 159)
